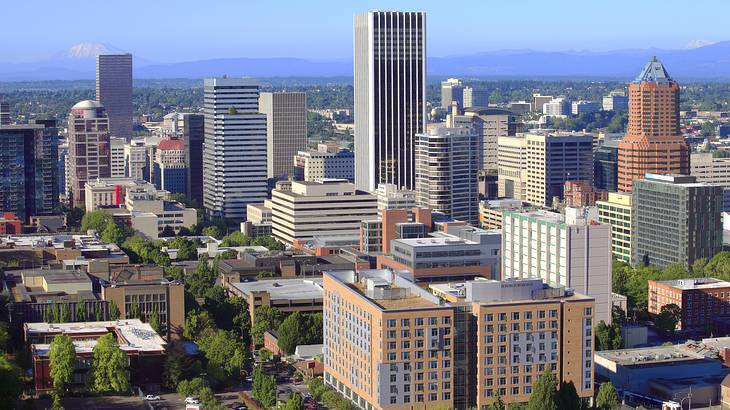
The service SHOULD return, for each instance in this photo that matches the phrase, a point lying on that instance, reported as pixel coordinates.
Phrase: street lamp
(688, 397)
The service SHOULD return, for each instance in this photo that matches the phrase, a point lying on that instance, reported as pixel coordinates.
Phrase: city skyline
(333, 41)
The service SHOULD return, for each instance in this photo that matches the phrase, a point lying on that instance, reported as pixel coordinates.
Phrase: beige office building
(328, 207)
(511, 167)
(286, 129)
(89, 152)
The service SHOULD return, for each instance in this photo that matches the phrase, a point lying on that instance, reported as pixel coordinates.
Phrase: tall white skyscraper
(234, 148)
(390, 96)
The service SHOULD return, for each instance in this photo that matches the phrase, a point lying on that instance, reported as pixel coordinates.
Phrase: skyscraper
(234, 150)
(170, 168)
(452, 90)
(190, 128)
(88, 148)
(29, 169)
(4, 113)
(447, 162)
(390, 96)
(114, 91)
(653, 142)
(116, 149)
(286, 129)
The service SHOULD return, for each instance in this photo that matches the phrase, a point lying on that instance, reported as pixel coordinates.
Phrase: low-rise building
(490, 212)
(144, 348)
(323, 163)
(702, 300)
(258, 220)
(10, 224)
(59, 251)
(390, 196)
(286, 295)
(582, 193)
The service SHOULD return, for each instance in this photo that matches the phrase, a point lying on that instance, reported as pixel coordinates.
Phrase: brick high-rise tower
(653, 142)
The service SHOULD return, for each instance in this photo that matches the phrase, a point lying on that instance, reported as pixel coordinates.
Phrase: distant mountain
(709, 62)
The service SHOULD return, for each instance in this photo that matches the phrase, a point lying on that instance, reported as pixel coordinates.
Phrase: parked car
(152, 397)
(191, 400)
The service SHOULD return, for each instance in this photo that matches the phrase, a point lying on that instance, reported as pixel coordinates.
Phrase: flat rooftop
(439, 240)
(651, 355)
(696, 283)
(409, 300)
(288, 289)
(543, 215)
(132, 334)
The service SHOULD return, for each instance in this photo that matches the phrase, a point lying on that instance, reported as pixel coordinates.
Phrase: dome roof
(87, 105)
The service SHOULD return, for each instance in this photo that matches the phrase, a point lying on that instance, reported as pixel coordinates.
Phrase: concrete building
(116, 155)
(324, 207)
(286, 129)
(143, 347)
(390, 96)
(674, 219)
(490, 212)
(461, 253)
(616, 211)
(29, 168)
(539, 100)
(605, 166)
(476, 97)
(396, 223)
(584, 107)
(391, 197)
(557, 107)
(111, 192)
(447, 162)
(653, 142)
(149, 214)
(551, 160)
(512, 167)
(452, 91)
(131, 291)
(712, 168)
(312, 165)
(701, 300)
(542, 244)
(258, 220)
(170, 166)
(137, 164)
(234, 158)
(490, 124)
(287, 295)
(616, 101)
(114, 92)
(89, 152)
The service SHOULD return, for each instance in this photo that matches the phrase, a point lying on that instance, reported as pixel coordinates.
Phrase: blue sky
(183, 30)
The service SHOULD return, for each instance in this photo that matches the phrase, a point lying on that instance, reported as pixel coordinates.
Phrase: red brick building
(702, 300)
(10, 224)
(582, 193)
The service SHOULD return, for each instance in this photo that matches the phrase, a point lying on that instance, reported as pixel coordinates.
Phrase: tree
(197, 322)
(81, 313)
(113, 233)
(544, 393)
(290, 332)
(98, 313)
(265, 318)
(61, 355)
(266, 274)
(236, 238)
(73, 217)
(109, 367)
(225, 354)
(134, 312)
(64, 313)
(295, 402)
(96, 220)
(264, 387)
(608, 337)
(113, 311)
(154, 320)
(607, 398)
(497, 404)
(212, 231)
(668, 317)
(4, 337)
(190, 387)
(10, 384)
(173, 369)
(56, 402)
(167, 232)
(568, 398)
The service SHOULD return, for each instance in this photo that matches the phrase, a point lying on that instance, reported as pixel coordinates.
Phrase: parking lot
(95, 403)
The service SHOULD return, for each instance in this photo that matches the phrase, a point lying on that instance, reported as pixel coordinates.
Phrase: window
(391, 322)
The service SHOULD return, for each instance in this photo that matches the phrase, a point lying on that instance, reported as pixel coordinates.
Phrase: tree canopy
(109, 367)
(61, 355)
(607, 397)
(544, 393)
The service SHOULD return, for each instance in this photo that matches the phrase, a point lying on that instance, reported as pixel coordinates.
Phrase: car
(152, 397)
(191, 400)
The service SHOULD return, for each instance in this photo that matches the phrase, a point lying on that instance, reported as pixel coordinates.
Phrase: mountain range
(708, 62)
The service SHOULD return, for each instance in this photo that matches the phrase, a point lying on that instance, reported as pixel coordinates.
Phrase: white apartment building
(324, 207)
(541, 244)
(234, 148)
(116, 153)
(322, 163)
(557, 107)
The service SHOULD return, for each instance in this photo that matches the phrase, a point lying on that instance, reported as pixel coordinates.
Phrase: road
(95, 403)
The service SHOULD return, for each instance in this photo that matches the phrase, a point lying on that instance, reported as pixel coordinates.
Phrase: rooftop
(288, 289)
(386, 289)
(654, 72)
(132, 334)
(696, 283)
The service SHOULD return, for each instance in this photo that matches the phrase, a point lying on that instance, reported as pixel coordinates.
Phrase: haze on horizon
(185, 30)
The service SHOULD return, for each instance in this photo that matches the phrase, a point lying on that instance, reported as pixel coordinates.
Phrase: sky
(186, 30)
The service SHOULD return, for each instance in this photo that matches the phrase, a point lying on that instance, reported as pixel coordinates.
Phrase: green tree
(4, 337)
(113, 311)
(265, 318)
(190, 387)
(134, 312)
(81, 313)
(113, 233)
(10, 384)
(109, 367)
(568, 398)
(56, 402)
(266, 274)
(235, 238)
(173, 369)
(73, 217)
(268, 242)
(225, 354)
(197, 323)
(212, 231)
(97, 220)
(295, 402)
(183, 199)
(61, 356)
(98, 313)
(544, 393)
(608, 337)
(606, 398)
(167, 232)
(290, 332)
(497, 404)
(668, 317)
(264, 387)
(64, 313)
(154, 320)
